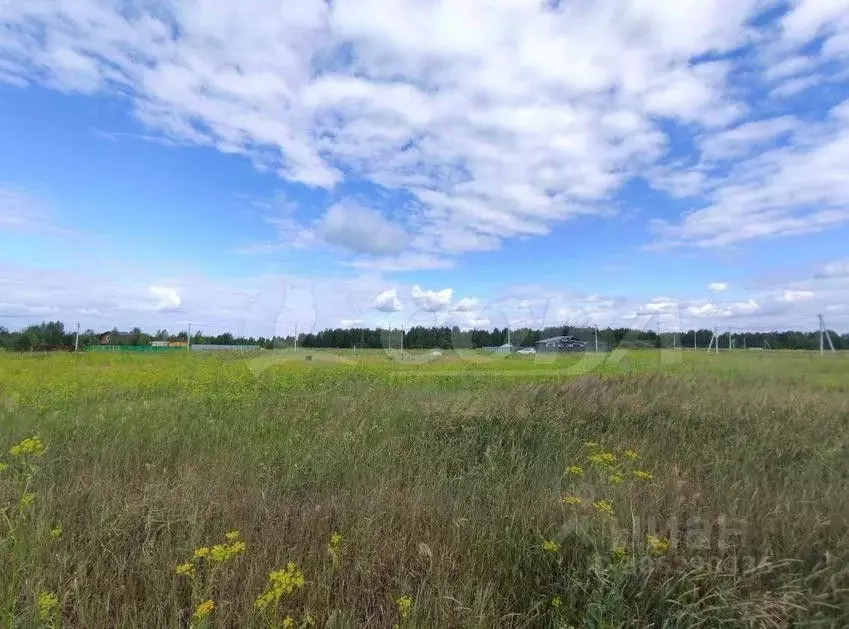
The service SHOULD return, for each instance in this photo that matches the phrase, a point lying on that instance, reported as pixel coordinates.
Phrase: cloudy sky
(258, 165)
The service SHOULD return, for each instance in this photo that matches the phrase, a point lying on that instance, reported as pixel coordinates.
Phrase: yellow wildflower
(618, 554)
(604, 507)
(556, 602)
(335, 539)
(288, 623)
(47, 604)
(657, 545)
(550, 546)
(204, 609)
(572, 501)
(280, 583)
(56, 532)
(202, 552)
(405, 604)
(592, 445)
(641, 475)
(3, 466)
(187, 569)
(307, 621)
(602, 458)
(26, 500)
(615, 478)
(630, 454)
(575, 470)
(231, 536)
(32, 445)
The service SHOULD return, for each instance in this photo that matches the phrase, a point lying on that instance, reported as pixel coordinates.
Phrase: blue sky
(476, 163)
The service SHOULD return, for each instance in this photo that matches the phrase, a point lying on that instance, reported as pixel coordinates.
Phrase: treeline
(53, 336)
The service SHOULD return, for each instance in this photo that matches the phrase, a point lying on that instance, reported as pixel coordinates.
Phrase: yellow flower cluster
(222, 552)
(572, 501)
(47, 604)
(630, 454)
(618, 554)
(280, 583)
(405, 605)
(575, 470)
(556, 602)
(334, 546)
(56, 532)
(26, 500)
(591, 445)
(602, 458)
(187, 569)
(550, 546)
(204, 609)
(31, 445)
(641, 475)
(616, 478)
(3, 466)
(604, 507)
(657, 545)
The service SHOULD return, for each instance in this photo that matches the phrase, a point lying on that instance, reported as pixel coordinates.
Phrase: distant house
(159, 343)
(561, 344)
(104, 338)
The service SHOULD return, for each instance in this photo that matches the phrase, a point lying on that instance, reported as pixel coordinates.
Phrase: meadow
(633, 489)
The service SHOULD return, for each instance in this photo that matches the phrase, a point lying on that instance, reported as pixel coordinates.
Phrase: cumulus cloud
(466, 304)
(361, 230)
(166, 298)
(350, 323)
(468, 108)
(717, 287)
(432, 300)
(388, 301)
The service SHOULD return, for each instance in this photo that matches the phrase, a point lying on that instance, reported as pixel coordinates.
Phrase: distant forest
(54, 336)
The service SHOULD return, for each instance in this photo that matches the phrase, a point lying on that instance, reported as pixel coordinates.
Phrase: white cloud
(388, 301)
(798, 295)
(21, 212)
(432, 300)
(836, 269)
(466, 304)
(167, 298)
(402, 262)
(790, 66)
(361, 230)
(255, 305)
(717, 286)
(745, 138)
(498, 119)
(491, 120)
(350, 323)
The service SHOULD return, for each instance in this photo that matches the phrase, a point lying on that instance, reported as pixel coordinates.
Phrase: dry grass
(443, 484)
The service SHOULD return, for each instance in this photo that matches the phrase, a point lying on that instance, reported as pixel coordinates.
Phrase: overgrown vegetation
(648, 490)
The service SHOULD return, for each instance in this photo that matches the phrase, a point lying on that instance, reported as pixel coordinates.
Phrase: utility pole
(695, 339)
(729, 339)
(189, 339)
(824, 335)
(77, 339)
(595, 334)
(296, 336)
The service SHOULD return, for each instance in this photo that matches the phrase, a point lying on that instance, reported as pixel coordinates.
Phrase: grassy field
(642, 489)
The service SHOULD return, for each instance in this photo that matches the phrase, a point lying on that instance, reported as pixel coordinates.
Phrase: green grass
(444, 477)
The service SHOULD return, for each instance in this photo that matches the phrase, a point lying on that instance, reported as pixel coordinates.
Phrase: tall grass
(445, 486)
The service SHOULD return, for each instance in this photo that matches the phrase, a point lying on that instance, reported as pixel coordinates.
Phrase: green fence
(132, 348)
